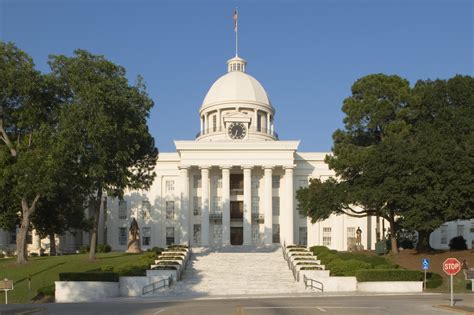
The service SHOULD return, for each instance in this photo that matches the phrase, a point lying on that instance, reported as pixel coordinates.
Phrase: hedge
(89, 276)
(433, 280)
(318, 249)
(170, 257)
(296, 246)
(168, 267)
(388, 275)
(340, 267)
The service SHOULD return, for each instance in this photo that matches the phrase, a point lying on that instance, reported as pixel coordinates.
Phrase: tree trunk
(424, 240)
(393, 237)
(52, 245)
(95, 226)
(21, 246)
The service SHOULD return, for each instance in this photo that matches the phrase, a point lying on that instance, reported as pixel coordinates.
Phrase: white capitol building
(235, 184)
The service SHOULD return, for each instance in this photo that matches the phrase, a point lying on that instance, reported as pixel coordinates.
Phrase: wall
(84, 291)
(390, 286)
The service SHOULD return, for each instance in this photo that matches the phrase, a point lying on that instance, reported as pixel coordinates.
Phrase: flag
(236, 17)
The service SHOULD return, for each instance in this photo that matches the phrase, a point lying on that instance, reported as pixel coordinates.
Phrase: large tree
(364, 155)
(106, 125)
(27, 120)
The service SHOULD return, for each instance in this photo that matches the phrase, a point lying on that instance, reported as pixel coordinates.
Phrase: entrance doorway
(236, 235)
(236, 210)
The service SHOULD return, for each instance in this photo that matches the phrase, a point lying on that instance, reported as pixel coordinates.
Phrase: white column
(268, 122)
(201, 120)
(225, 205)
(206, 124)
(255, 117)
(247, 204)
(184, 211)
(267, 204)
(205, 205)
(289, 217)
(35, 241)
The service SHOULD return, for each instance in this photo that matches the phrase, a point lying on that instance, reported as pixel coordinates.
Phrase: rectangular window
(303, 236)
(217, 204)
(327, 236)
(255, 182)
(276, 205)
(259, 122)
(276, 233)
(276, 181)
(13, 237)
(122, 209)
(146, 236)
(460, 230)
(197, 181)
(444, 234)
(351, 236)
(170, 235)
(197, 234)
(196, 205)
(169, 185)
(214, 123)
(29, 238)
(170, 210)
(146, 209)
(255, 204)
(122, 236)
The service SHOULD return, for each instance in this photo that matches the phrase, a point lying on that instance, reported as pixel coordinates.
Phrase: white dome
(236, 86)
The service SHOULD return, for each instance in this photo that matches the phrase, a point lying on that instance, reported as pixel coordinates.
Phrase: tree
(27, 116)
(440, 156)
(106, 125)
(365, 155)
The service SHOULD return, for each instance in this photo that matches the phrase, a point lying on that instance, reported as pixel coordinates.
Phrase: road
(413, 304)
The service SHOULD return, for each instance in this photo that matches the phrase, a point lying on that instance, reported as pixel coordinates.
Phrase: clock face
(237, 130)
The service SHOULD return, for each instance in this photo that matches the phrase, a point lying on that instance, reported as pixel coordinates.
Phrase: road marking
(159, 311)
(321, 309)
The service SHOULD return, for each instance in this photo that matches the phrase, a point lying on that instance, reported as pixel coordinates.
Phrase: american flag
(236, 17)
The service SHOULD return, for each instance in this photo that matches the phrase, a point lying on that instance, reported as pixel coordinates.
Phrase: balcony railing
(236, 191)
(215, 216)
(263, 131)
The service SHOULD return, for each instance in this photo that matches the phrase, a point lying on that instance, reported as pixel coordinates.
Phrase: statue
(358, 236)
(134, 238)
(358, 244)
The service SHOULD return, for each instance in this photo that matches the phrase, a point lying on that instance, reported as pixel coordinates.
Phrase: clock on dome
(237, 130)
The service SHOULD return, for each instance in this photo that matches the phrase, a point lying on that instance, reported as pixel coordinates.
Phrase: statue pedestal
(359, 247)
(134, 247)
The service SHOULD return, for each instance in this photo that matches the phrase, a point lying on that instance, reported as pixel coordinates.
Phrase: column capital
(289, 167)
(184, 167)
(268, 167)
(204, 167)
(247, 167)
(225, 167)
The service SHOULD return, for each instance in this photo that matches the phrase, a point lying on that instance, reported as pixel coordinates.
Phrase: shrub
(406, 243)
(132, 270)
(34, 254)
(312, 268)
(2, 255)
(318, 249)
(170, 258)
(302, 250)
(388, 275)
(457, 243)
(164, 268)
(178, 246)
(47, 290)
(386, 267)
(433, 280)
(172, 254)
(84, 249)
(168, 263)
(327, 257)
(373, 260)
(300, 254)
(340, 267)
(89, 276)
(305, 258)
(296, 246)
(306, 263)
(103, 248)
(156, 250)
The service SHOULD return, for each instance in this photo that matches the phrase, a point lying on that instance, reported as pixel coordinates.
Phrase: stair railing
(308, 282)
(152, 287)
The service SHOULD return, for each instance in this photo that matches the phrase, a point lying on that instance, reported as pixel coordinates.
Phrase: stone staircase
(243, 270)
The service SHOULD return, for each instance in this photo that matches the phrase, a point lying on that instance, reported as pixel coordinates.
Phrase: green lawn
(44, 271)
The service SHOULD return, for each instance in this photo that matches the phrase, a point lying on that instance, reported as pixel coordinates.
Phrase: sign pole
(6, 297)
(452, 303)
(424, 284)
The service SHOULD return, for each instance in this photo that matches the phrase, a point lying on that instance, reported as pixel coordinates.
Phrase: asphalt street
(413, 304)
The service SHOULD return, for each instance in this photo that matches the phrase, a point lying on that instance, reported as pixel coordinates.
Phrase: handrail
(152, 287)
(311, 285)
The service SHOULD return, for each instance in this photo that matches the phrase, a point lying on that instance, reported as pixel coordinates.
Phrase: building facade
(234, 184)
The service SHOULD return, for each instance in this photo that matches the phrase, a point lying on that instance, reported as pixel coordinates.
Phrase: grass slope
(45, 270)
(411, 259)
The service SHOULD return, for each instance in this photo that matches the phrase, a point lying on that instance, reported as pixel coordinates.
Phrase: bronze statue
(358, 236)
(134, 238)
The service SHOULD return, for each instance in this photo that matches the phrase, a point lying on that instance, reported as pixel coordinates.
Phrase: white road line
(321, 309)
(159, 311)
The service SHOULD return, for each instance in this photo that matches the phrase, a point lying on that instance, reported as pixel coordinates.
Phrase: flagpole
(236, 29)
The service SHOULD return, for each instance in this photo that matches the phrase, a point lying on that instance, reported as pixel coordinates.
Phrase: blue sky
(305, 53)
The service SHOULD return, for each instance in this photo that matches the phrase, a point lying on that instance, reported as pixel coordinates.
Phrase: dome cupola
(236, 107)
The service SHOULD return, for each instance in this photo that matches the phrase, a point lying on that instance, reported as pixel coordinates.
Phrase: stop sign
(451, 266)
